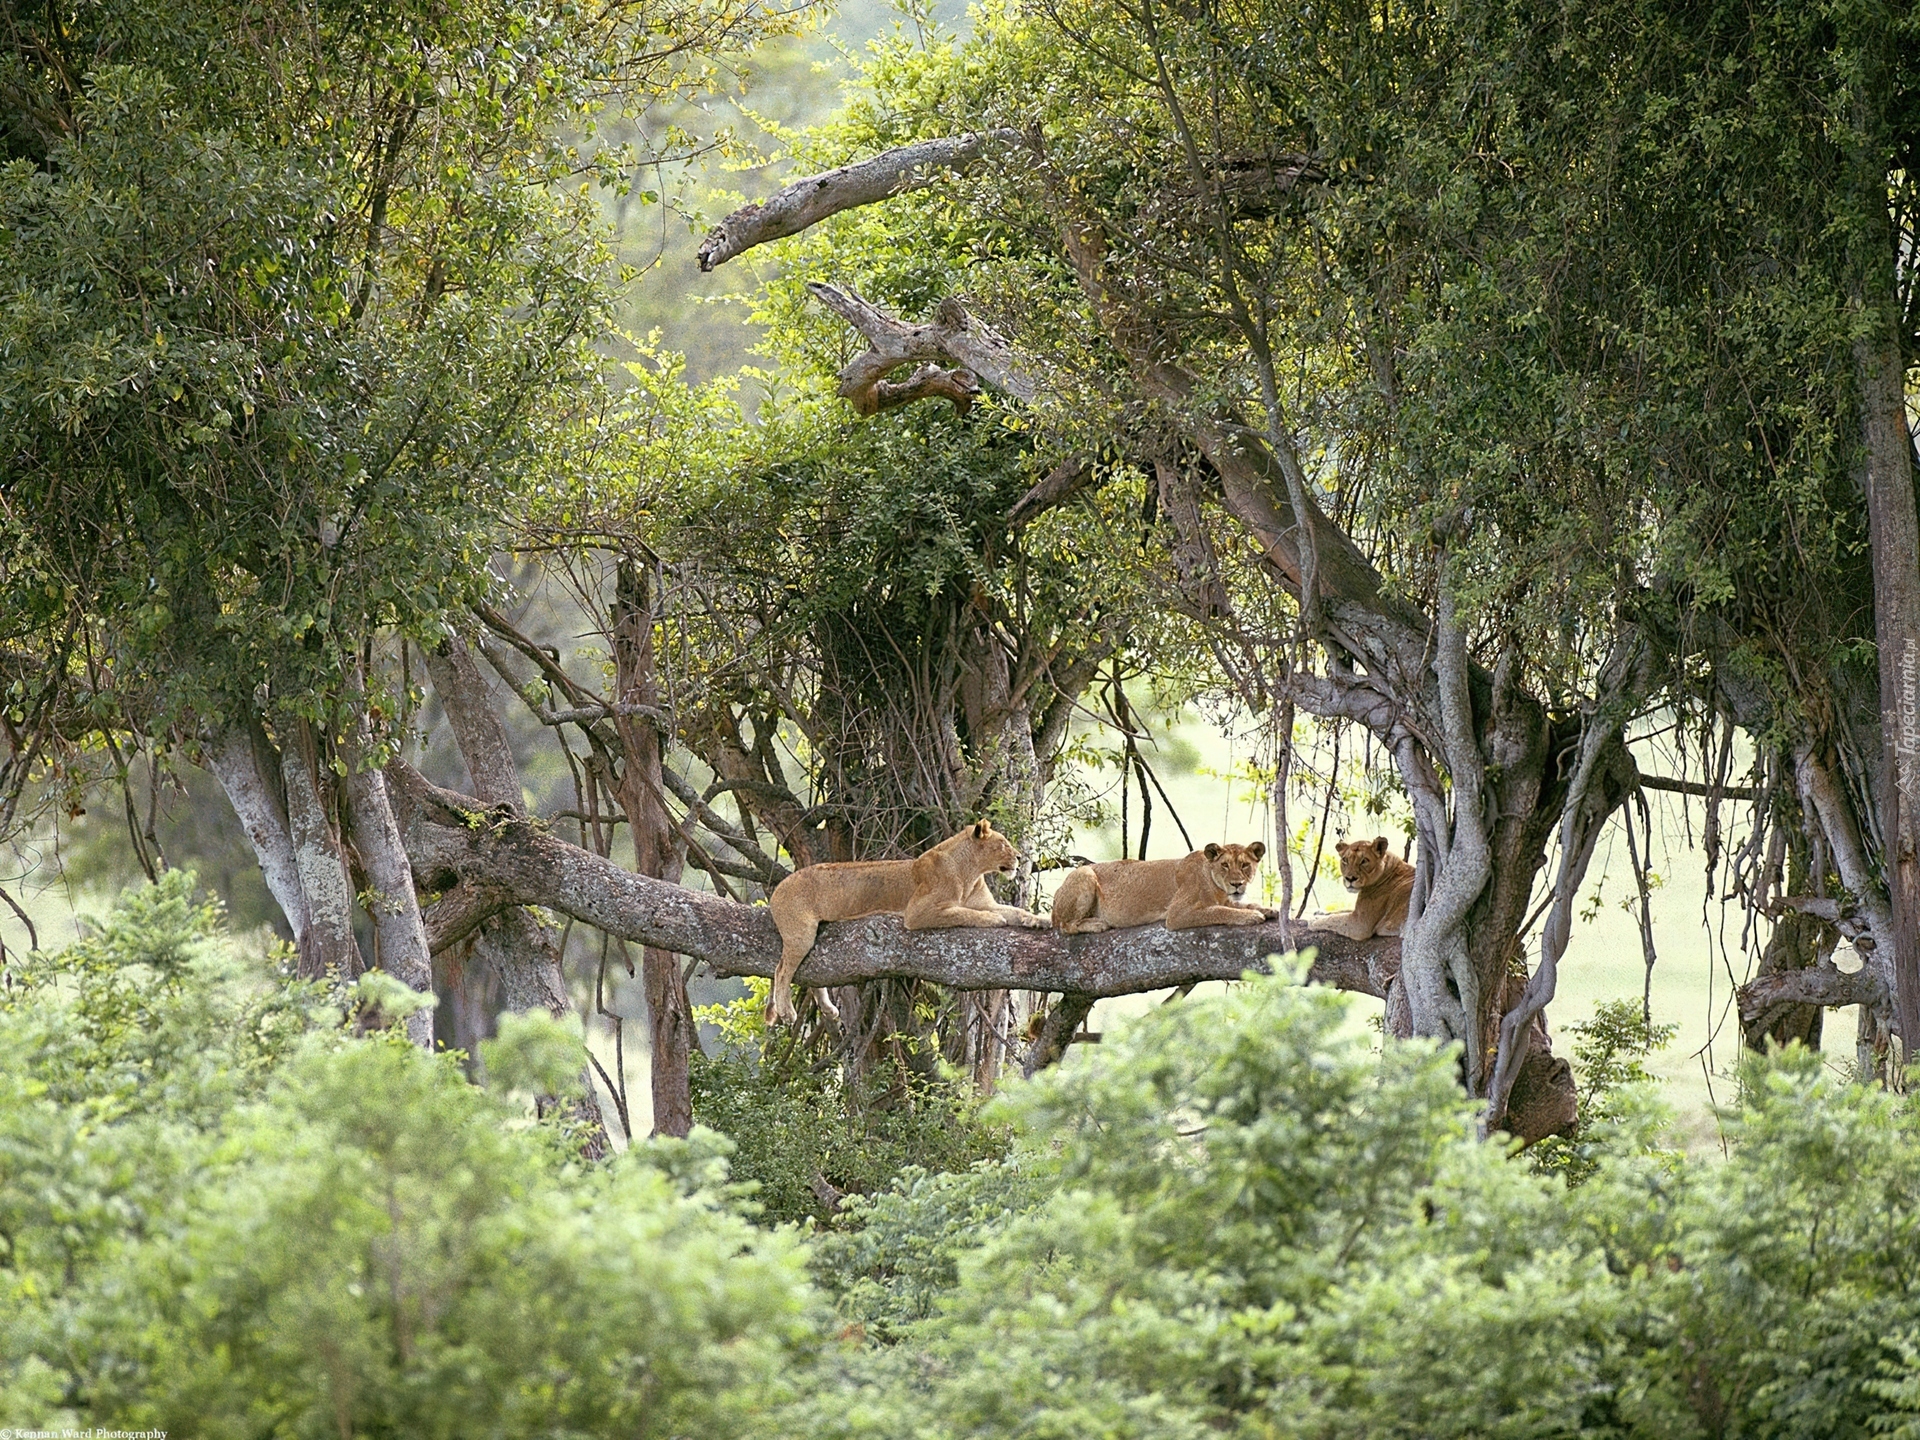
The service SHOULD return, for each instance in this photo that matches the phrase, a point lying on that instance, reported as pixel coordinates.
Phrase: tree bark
(400, 937)
(1880, 372)
(327, 946)
(1895, 539)
(656, 849)
(1068, 1014)
(806, 202)
(242, 760)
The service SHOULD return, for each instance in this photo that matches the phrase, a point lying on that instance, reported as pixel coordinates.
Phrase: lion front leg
(1217, 915)
(953, 915)
(1342, 922)
(979, 897)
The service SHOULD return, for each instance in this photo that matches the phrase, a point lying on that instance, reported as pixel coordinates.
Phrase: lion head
(1362, 862)
(992, 849)
(1232, 866)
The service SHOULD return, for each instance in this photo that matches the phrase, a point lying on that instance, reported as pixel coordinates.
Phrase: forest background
(1484, 429)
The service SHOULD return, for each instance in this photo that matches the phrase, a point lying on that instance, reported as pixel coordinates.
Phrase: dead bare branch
(806, 202)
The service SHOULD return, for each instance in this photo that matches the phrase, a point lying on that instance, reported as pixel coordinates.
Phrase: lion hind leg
(797, 934)
(1076, 908)
(1341, 922)
(1094, 925)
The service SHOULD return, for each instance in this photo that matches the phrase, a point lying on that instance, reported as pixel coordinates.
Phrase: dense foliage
(1234, 1221)
(809, 1134)
(223, 1214)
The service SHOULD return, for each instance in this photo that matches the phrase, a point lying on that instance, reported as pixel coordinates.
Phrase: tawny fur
(942, 889)
(1382, 885)
(1205, 888)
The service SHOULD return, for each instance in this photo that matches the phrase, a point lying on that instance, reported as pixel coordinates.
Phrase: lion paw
(1030, 921)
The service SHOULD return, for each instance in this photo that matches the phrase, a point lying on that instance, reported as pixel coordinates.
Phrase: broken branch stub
(951, 338)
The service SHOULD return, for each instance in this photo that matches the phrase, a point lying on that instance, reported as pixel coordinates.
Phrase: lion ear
(981, 828)
(1212, 851)
(1379, 844)
(1257, 849)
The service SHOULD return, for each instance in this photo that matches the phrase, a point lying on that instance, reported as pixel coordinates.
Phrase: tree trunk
(514, 963)
(656, 849)
(1880, 370)
(399, 935)
(1896, 617)
(1799, 942)
(242, 760)
(511, 960)
(327, 945)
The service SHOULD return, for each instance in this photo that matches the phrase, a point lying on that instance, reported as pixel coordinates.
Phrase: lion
(1382, 884)
(943, 888)
(1204, 888)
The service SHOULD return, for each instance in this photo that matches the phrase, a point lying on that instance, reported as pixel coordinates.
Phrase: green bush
(803, 1136)
(225, 1215)
(1230, 1219)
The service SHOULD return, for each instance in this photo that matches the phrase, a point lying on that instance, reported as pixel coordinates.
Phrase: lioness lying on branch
(1205, 888)
(1382, 886)
(943, 889)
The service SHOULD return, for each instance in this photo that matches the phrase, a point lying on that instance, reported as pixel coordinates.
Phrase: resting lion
(1203, 889)
(1382, 884)
(943, 889)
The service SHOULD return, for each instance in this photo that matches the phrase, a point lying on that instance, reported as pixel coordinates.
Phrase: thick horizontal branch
(1825, 984)
(519, 862)
(807, 202)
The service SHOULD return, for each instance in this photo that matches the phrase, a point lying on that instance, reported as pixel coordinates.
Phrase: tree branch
(808, 201)
(1816, 985)
(950, 337)
(1056, 487)
(453, 840)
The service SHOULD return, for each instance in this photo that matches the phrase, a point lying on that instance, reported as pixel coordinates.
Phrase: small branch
(1068, 1014)
(771, 871)
(1846, 918)
(588, 714)
(1824, 984)
(806, 202)
(461, 911)
(1061, 484)
(1698, 788)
